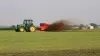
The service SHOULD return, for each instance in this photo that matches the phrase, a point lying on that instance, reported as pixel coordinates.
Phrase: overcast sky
(79, 11)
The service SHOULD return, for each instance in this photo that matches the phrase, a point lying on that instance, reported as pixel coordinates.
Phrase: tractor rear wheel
(21, 29)
(32, 29)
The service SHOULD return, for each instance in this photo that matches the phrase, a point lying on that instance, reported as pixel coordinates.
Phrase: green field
(27, 41)
(11, 41)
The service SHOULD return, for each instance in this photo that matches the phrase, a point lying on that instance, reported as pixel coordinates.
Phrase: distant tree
(12, 27)
(81, 26)
(94, 25)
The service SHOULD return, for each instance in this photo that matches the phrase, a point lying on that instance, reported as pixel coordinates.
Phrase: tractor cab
(28, 22)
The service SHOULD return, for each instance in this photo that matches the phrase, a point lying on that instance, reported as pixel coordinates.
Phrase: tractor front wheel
(21, 29)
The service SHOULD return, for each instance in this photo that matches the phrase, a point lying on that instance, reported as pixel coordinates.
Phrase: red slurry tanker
(51, 27)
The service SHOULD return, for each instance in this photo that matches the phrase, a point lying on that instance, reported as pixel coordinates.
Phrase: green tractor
(26, 26)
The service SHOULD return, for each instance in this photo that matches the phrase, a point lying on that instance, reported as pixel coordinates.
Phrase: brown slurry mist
(60, 25)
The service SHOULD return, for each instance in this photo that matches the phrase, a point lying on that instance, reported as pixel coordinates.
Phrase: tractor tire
(32, 29)
(21, 29)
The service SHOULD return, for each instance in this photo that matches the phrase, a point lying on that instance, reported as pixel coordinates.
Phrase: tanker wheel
(32, 29)
(21, 29)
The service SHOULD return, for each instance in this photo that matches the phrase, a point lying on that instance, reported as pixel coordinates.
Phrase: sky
(13, 12)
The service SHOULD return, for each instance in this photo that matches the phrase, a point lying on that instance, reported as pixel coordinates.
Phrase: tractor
(26, 26)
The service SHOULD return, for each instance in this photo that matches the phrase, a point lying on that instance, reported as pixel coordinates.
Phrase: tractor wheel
(21, 29)
(32, 29)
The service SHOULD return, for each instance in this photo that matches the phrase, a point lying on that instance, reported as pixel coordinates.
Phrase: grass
(11, 41)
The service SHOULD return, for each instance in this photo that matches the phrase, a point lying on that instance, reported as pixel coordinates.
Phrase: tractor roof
(28, 20)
